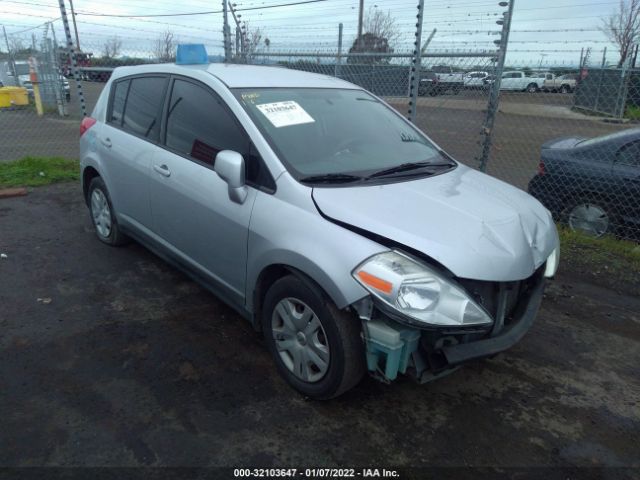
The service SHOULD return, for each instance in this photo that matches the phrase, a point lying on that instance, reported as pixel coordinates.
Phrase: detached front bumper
(393, 347)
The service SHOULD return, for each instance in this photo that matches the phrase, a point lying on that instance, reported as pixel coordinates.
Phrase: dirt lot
(132, 364)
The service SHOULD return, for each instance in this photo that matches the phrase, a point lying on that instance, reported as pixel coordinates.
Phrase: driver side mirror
(229, 166)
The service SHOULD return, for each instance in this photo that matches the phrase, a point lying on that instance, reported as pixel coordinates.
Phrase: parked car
(476, 80)
(563, 83)
(593, 185)
(437, 82)
(521, 81)
(321, 215)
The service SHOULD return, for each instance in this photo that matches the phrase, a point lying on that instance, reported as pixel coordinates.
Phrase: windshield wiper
(331, 178)
(405, 167)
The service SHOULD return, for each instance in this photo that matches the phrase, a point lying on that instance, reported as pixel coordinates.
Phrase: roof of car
(246, 76)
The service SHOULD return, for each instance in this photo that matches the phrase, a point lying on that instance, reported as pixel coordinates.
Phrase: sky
(543, 32)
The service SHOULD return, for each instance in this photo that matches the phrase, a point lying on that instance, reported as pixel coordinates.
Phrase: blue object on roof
(191, 54)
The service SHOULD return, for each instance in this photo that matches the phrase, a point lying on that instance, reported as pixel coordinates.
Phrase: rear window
(608, 138)
(143, 106)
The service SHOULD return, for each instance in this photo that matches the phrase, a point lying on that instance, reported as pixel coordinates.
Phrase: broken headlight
(418, 291)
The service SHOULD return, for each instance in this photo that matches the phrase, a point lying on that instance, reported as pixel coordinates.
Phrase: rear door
(190, 204)
(510, 80)
(127, 144)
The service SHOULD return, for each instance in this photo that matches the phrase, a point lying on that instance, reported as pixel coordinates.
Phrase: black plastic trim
(461, 353)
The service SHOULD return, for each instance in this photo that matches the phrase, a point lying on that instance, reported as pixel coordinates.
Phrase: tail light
(541, 169)
(86, 124)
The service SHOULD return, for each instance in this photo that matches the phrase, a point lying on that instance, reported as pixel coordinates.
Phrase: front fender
(296, 235)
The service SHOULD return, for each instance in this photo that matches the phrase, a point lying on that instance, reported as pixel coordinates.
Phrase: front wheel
(532, 88)
(317, 348)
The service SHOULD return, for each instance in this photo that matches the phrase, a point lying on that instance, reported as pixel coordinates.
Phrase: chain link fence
(541, 136)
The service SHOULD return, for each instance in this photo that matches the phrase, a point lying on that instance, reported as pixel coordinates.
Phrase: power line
(188, 14)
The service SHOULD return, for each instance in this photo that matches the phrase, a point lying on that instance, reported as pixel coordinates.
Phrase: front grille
(497, 296)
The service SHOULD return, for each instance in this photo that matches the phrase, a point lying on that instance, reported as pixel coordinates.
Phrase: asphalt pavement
(110, 357)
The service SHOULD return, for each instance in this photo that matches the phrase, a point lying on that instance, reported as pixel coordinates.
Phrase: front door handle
(162, 170)
(106, 142)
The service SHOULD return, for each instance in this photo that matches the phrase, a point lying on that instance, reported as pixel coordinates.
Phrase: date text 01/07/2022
(315, 473)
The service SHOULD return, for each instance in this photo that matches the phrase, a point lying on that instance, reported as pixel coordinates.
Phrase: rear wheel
(594, 217)
(532, 88)
(316, 347)
(102, 214)
(565, 89)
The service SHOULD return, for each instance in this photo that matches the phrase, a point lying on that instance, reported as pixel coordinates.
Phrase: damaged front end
(421, 323)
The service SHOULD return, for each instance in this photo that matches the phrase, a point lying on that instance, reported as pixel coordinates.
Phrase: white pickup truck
(562, 83)
(517, 80)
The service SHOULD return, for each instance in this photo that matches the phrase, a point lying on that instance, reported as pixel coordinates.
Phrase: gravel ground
(110, 357)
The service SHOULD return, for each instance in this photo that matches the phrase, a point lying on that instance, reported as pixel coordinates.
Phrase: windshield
(338, 133)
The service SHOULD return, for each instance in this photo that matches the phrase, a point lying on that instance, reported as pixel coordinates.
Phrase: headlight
(418, 292)
(552, 263)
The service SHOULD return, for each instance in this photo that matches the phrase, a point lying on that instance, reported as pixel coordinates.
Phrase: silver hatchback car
(336, 227)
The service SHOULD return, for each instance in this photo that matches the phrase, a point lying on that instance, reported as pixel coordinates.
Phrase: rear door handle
(162, 170)
(106, 142)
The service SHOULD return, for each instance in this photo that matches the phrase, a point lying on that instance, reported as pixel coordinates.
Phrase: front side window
(337, 132)
(143, 106)
(199, 126)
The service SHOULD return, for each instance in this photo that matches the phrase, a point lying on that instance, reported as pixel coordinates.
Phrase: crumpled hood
(475, 225)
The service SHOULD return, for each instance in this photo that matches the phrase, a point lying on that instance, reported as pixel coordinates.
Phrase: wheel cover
(101, 213)
(300, 340)
(589, 218)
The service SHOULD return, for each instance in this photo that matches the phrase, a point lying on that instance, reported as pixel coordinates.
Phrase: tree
(112, 46)
(253, 38)
(381, 34)
(382, 25)
(623, 27)
(370, 43)
(165, 47)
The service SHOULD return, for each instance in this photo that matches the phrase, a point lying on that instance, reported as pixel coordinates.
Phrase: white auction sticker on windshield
(285, 114)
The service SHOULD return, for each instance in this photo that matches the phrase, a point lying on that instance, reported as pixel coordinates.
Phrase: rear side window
(199, 126)
(629, 155)
(143, 106)
(119, 97)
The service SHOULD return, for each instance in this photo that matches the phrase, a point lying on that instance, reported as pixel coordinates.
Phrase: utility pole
(12, 62)
(604, 57)
(339, 58)
(428, 41)
(226, 32)
(494, 95)
(360, 21)
(75, 26)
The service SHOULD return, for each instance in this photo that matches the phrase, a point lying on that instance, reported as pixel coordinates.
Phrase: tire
(102, 214)
(301, 304)
(565, 89)
(593, 216)
(532, 88)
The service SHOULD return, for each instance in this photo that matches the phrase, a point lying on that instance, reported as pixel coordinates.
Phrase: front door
(191, 209)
